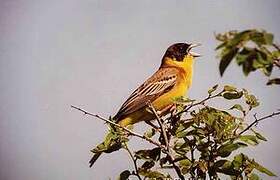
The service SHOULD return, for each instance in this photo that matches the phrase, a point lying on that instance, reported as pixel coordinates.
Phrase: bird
(172, 80)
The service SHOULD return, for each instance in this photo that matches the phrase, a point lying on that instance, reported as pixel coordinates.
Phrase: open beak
(194, 54)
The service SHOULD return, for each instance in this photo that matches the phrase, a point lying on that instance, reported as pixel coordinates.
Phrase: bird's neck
(186, 65)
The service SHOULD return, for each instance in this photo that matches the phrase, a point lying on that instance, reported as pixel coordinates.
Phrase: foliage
(252, 49)
(199, 140)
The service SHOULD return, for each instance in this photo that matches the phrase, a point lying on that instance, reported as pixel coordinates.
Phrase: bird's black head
(179, 50)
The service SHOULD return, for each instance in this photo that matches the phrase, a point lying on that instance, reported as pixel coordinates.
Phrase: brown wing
(159, 83)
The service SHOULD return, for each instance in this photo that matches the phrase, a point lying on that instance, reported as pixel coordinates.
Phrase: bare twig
(276, 46)
(258, 120)
(119, 126)
(134, 162)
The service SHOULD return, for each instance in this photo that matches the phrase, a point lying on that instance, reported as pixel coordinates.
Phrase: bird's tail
(113, 142)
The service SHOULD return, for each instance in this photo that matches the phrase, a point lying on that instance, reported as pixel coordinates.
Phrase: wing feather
(159, 83)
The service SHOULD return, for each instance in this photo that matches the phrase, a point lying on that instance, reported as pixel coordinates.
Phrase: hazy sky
(93, 54)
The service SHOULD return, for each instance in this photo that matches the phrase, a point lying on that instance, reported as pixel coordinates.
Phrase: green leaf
(232, 95)
(182, 100)
(219, 163)
(259, 136)
(185, 165)
(230, 88)
(268, 38)
(249, 139)
(181, 134)
(150, 133)
(181, 129)
(240, 37)
(151, 174)
(124, 175)
(148, 165)
(228, 169)
(227, 149)
(152, 154)
(214, 88)
(221, 46)
(238, 160)
(226, 59)
(258, 38)
(242, 56)
(251, 100)
(253, 176)
(238, 107)
(262, 169)
(273, 81)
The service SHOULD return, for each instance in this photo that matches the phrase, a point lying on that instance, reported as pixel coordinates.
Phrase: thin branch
(192, 160)
(277, 62)
(258, 120)
(119, 126)
(134, 162)
(199, 103)
(168, 152)
(276, 46)
(162, 127)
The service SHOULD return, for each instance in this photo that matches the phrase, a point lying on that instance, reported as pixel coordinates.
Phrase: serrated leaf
(124, 175)
(214, 88)
(249, 139)
(262, 169)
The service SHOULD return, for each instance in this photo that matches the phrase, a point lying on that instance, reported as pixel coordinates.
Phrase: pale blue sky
(93, 54)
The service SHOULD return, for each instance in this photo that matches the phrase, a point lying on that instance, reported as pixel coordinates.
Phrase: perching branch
(119, 126)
